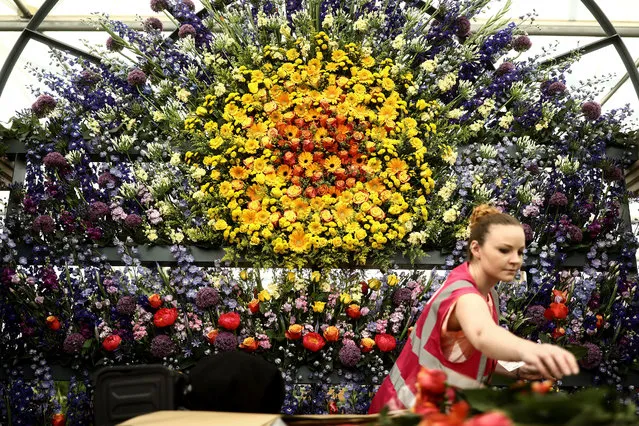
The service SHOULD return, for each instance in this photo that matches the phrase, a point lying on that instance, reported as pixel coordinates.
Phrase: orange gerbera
(238, 172)
(284, 171)
(298, 241)
(396, 165)
(305, 159)
(375, 185)
(332, 163)
(256, 192)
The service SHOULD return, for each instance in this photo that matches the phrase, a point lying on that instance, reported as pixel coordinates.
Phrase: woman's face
(501, 255)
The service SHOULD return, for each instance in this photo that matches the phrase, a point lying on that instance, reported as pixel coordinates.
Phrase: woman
(458, 330)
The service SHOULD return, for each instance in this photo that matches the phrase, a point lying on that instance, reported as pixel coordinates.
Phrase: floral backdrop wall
(307, 139)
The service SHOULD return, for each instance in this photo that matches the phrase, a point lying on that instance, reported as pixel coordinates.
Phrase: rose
(229, 320)
(58, 419)
(53, 323)
(165, 317)
(331, 334)
(374, 284)
(155, 301)
(254, 306)
(313, 342)
(385, 342)
(556, 311)
(294, 332)
(212, 335)
(431, 381)
(249, 344)
(367, 344)
(111, 342)
(353, 311)
(493, 418)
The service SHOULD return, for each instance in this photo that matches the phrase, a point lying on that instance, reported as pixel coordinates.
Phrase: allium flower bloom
(43, 223)
(153, 24)
(535, 314)
(575, 234)
(226, 341)
(107, 180)
(162, 346)
(159, 5)
(43, 106)
(189, 4)
(528, 232)
(113, 45)
(505, 68)
(55, 160)
(558, 199)
(186, 30)
(556, 88)
(522, 43)
(73, 343)
(133, 221)
(593, 356)
(462, 26)
(126, 305)
(98, 210)
(350, 355)
(401, 295)
(207, 297)
(591, 110)
(136, 77)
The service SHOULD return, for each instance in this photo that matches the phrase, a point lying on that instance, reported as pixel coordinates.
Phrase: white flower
(446, 83)
(159, 116)
(262, 20)
(219, 89)
(151, 234)
(361, 24)
(198, 173)
(285, 30)
(140, 173)
(399, 42)
(176, 158)
(176, 236)
(182, 94)
(486, 107)
(328, 21)
(450, 215)
(476, 126)
(504, 122)
(455, 113)
(487, 151)
(429, 65)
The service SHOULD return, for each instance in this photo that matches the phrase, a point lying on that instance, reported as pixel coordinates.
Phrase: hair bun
(481, 211)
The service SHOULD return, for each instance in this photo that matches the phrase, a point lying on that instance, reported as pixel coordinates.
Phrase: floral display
(305, 139)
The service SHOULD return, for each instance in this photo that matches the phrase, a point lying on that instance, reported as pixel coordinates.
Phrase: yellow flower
(392, 280)
(332, 163)
(298, 241)
(221, 225)
(315, 276)
(319, 306)
(374, 284)
(264, 296)
(292, 54)
(345, 298)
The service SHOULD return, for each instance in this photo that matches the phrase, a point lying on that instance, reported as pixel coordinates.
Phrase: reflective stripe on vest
(402, 390)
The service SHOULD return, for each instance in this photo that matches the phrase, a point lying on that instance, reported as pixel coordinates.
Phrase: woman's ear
(475, 249)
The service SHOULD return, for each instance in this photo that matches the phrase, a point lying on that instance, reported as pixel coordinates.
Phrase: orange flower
(58, 419)
(556, 311)
(155, 301)
(53, 323)
(600, 321)
(313, 342)
(541, 387)
(254, 306)
(331, 334)
(298, 241)
(249, 344)
(558, 332)
(294, 332)
(493, 418)
(367, 344)
(165, 317)
(559, 296)
(431, 381)
(212, 335)
(353, 311)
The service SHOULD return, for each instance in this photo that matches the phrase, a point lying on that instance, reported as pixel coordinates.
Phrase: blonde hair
(482, 217)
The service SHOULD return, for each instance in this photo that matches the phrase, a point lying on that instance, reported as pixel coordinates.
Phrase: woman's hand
(551, 362)
(528, 372)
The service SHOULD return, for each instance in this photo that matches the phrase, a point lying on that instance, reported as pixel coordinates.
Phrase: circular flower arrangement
(314, 154)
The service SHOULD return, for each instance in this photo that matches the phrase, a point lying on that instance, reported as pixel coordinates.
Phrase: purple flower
(558, 199)
(133, 221)
(401, 295)
(113, 45)
(613, 173)
(207, 297)
(186, 30)
(43, 106)
(462, 26)
(43, 223)
(189, 4)
(522, 43)
(226, 341)
(136, 77)
(88, 78)
(94, 233)
(159, 5)
(505, 68)
(575, 234)
(350, 355)
(162, 346)
(535, 314)
(595, 301)
(556, 88)
(528, 232)
(126, 305)
(55, 160)
(107, 180)
(73, 343)
(98, 210)
(153, 24)
(593, 356)
(591, 110)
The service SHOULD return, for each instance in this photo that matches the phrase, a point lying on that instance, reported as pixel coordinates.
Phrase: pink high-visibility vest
(423, 348)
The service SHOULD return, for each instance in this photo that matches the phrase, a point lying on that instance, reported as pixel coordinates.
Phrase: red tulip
(111, 343)
(541, 387)
(229, 320)
(294, 332)
(254, 306)
(332, 408)
(59, 419)
(493, 418)
(431, 381)
(313, 342)
(556, 311)
(165, 317)
(385, 342)
(155, 301)
(353, 311)
(559, 296)
(53, 323)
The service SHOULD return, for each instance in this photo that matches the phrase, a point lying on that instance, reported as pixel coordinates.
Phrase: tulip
(53, 323)
(367, 344)
(229, 320)
(431, 381)
(353, 311)
(556, 311)
(294, 332)
(249, 344)
(254, 306)
(59, 419)
(155, 301)
(212, 335)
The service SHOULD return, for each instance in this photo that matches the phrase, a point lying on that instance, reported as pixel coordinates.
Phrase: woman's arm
(471, 311)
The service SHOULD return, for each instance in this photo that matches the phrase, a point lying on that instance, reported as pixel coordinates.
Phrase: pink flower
(493, 418)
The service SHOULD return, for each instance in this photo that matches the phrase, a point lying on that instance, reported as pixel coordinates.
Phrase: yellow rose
(345, 298)
(392, 280)
(374, 284)
(319, 306)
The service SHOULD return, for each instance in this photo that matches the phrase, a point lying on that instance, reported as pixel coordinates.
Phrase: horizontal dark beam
(585, 49)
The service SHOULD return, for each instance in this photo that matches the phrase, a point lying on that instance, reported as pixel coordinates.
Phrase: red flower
(155, 301)
(53, 323)
(111, 343)
(431, 381)
(294, 332)
(332, 408)
(600, 320)
(249, 344)
(559, 296)
(331, 334)
(59, 419)
(493, 418)
(541, 387)
(353, 311)
(165, 317)
(556, 311)
(229, 320)
(367, 344)
(558, 332)
(385, 342)
(313, 342)
(254, 306)
(212, 335)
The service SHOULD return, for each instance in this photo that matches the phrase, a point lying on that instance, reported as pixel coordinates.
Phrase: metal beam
(56, 44)
(583, 50)
(24, 12)
(74, 23)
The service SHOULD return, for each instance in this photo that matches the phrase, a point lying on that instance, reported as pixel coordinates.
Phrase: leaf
(578, 351)
(487, 399)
